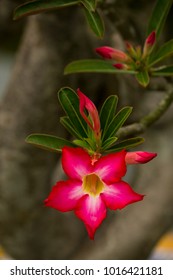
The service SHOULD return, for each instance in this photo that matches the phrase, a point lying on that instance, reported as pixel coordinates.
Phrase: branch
(151, 118)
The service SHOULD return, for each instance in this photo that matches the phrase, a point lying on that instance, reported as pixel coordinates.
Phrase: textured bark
(27, 229)
(30, 105)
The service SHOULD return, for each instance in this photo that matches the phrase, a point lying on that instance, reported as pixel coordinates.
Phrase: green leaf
(82, 144)
(165, 51)
(116, 123)
(107, 111)
(89, 4)
(91, 142)
(65, 121)
(109, 142)
(48, 142)
(95, 22)
(39, 6)
(126, 144)
(86, 143)
(159, 16)
(163, 71)
(70, 103)
(143, 78)
(94, 66)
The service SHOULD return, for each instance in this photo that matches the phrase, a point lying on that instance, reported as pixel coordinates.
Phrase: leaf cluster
(111, 121)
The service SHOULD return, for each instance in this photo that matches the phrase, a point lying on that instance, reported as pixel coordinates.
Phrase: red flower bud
(110, 53)
(86, 103)
(149, 43)
(120, 66)
(139, 157)
(151, 39)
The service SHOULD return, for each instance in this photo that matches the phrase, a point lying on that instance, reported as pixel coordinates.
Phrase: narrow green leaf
(95, 22)
(126, 144)
(116, 122)
(108, 143)
(39, 6)
(48, 142)
(70, 103)
(165, 51)
(65, 121)
(94, 66)
(89, 4)
(159, 16)
(163, 71)
(143, 78)
(107, 111)
(91, 143)
(81, 143)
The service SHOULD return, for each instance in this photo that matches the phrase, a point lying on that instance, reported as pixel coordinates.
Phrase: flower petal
(111, 168)
(76, 162)
(119, 195)
(65, 195)
(92, 211)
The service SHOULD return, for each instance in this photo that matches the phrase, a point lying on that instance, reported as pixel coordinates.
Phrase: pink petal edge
(119, 195)
(65, 195)
(92, 211)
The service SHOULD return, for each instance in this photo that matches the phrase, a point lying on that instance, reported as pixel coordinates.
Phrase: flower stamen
(92, 184)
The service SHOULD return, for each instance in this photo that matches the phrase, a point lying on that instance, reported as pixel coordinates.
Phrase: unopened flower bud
(130, 49)
(149, 43)
(86, 103)
(139, 157)
(120, 66)
(151, 39)
(110, 53)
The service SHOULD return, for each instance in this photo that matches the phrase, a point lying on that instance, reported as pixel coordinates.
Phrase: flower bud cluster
(134, 59)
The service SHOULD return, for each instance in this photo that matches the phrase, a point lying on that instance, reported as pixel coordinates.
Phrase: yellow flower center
(92, 184)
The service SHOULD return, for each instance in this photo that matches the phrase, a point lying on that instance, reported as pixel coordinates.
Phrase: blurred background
(33, 54)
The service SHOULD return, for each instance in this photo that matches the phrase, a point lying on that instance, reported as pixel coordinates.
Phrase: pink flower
(110, 53)
(139, 157)
(92, 187)
(86, 103)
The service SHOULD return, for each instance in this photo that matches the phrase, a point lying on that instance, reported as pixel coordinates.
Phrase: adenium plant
(95, 160)
(94, 163)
